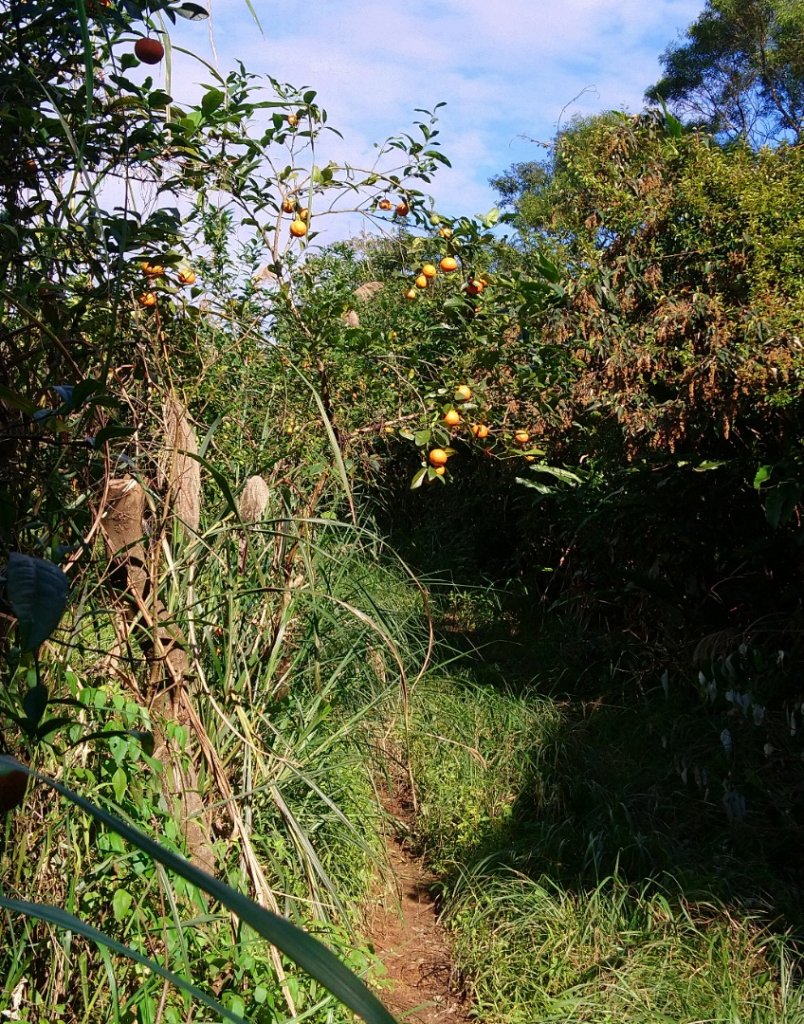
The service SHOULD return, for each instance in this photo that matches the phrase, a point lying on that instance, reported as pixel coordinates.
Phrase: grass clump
(472, 750)
(614, 955)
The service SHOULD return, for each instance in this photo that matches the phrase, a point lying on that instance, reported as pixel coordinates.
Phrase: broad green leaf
(121, 904)
(119, 784)
(418, 479)
(34, 704)
(211, 100)
(563, 475)
(37, 591)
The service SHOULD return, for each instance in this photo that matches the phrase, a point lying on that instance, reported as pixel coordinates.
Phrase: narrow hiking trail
(407, 937)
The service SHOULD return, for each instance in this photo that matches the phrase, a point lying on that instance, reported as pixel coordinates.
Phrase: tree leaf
(34, 704)
(192, 12)
(37, 592)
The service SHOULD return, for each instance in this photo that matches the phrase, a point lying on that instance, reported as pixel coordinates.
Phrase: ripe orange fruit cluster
(298, 228)
(438, 457)
(449, 264)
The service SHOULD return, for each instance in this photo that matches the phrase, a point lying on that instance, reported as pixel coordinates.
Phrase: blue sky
(506, 69)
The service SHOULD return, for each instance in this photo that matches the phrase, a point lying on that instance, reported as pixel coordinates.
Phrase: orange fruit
(288, 205)
(187, 277)
(440, 470)
(473, 287)
(402, 209)
(480, 430)
(13, 783)
(429, 270)
(298, 228)
(438, 457)
(385, 204)
(411, 293)
(292, 120)
(153, 270)
(522, 437)
(421, 281)
(452, 417)
(463, 393)
(147, 299)
(448, 264)
(149, 51)
(304, 213)
(445, 232)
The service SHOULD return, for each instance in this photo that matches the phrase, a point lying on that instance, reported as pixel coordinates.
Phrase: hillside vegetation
(500, 511)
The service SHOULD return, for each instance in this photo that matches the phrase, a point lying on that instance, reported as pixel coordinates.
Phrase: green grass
(582, 878)
(288, 678)
(536, 952)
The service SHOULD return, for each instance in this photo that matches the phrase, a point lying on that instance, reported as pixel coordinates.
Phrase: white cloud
(506, 69)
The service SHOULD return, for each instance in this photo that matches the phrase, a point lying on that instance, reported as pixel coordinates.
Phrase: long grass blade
(308, 953)
(62, 919)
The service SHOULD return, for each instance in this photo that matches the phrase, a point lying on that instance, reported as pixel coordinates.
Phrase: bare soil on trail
(403, 927)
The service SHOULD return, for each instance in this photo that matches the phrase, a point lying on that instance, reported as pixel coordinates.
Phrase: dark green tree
(740, 71)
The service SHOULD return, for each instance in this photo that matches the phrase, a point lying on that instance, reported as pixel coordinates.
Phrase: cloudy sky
(506, 69)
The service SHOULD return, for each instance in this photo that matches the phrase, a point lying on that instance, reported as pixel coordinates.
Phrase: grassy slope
(582, 880)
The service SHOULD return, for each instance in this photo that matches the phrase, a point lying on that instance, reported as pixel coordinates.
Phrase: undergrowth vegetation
(513, 519)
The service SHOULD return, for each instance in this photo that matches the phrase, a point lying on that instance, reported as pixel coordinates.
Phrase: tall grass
(292, 647)
(519, 807)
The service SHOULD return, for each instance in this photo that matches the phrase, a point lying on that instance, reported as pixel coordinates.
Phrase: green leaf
(34, 704)
(310, 954)
(418, 479)
(763, 474)
(62, 919)
(421, 438)
(119, 784)
(211, 101)
(37, 591)
(563, 475)
(121, 904)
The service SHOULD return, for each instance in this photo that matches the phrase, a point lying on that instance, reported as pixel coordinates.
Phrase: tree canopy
(740, 71)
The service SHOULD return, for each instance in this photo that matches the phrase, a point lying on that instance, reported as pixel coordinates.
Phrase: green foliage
(739, 73)
(615, 954)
